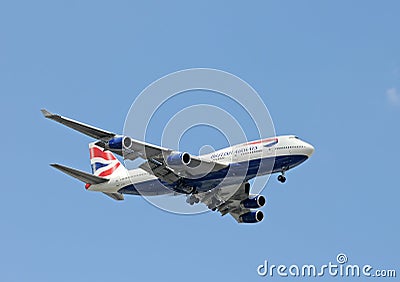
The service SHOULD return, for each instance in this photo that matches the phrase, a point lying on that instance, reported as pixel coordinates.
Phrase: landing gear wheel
(192, 199)
(281, 178)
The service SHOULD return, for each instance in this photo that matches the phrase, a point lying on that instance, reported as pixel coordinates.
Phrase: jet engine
(252, 217)
(119, 143)
(177, 160)
(252, 203)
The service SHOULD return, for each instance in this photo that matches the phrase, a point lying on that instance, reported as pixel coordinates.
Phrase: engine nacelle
(253, 203)
(178, 159)
(252, 217)
(119, 143)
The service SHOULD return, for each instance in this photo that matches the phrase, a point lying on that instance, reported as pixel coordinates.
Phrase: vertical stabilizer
(104, 163)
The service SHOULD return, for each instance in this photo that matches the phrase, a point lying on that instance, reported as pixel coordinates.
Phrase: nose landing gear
(281, 177)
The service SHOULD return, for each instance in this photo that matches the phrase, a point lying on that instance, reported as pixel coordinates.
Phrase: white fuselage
(287, 151)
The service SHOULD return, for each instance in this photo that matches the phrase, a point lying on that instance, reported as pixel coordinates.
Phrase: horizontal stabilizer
(81, 175)
(89, 130)
(116, 196)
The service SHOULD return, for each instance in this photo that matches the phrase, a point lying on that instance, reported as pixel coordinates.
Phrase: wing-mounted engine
(251, 217)
(254, 202)
(234, 200)
(178, 160)
(168, 165)
(119, 143)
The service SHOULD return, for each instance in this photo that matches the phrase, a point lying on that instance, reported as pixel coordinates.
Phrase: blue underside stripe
(212, 179)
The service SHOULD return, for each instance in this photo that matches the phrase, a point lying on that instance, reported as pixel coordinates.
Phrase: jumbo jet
(220, 179)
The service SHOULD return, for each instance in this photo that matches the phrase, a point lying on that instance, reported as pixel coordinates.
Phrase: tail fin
(104, 163)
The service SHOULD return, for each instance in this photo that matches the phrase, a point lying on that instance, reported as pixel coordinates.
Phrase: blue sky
(329, 71)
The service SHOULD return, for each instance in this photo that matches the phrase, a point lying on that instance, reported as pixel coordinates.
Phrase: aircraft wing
(89, 130)
(232, 205)
(146, 150)
(160, 170)
(154, 155)
(227, 199)
(157, 166)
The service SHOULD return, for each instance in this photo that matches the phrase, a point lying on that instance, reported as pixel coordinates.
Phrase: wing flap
(233, 206)
(80, 175)
(147, 150)
(161, 171)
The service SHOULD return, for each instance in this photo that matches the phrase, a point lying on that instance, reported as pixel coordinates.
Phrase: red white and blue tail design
(104, 163)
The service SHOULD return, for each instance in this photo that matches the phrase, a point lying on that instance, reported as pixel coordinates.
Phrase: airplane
(220, 179)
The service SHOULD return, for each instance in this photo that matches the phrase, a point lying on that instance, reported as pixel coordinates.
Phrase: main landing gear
(192, 199)
(281, 177)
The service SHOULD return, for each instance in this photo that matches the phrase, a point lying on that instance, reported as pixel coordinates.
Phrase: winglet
(46, 113)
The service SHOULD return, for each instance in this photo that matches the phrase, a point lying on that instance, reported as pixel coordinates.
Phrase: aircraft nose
(309, 149)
